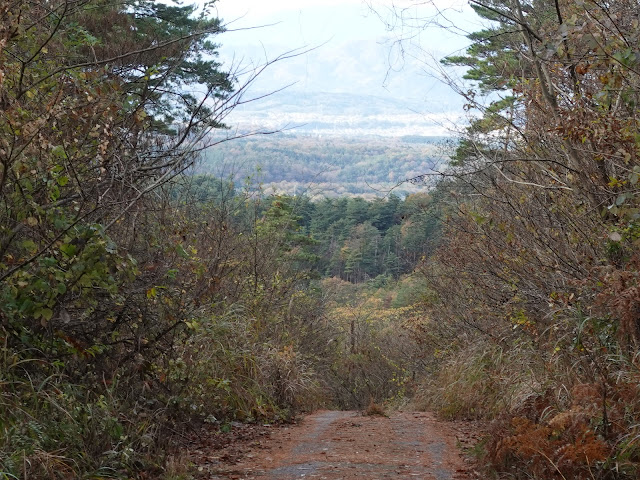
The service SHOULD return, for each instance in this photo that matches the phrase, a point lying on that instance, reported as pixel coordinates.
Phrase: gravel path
(333, 445)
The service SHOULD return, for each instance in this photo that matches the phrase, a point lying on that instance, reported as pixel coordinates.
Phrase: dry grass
(374, 410)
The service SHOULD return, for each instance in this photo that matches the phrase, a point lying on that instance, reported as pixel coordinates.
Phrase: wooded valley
(143, 296)
(329, 166)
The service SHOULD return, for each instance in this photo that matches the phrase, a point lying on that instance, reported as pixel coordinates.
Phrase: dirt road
(334, 445)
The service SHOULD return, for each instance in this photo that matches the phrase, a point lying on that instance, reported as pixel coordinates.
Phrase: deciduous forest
(328, 166)
(142, 298)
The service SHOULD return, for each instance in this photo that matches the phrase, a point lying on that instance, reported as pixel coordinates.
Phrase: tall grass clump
(562, 402)
(479, 381)
(55, 428)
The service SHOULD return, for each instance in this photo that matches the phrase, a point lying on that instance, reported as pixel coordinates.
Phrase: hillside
(328, 166)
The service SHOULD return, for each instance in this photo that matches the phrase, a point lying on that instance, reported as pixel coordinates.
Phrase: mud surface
(335, 445)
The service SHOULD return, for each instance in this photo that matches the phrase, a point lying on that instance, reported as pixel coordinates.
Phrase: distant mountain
(342, 114)
(370, 92)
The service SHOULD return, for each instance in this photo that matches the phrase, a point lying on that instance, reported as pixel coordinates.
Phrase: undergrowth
(54, 428)
(553, 413)
(56, 425)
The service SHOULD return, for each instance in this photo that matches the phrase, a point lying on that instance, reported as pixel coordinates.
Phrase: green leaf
(55, 193)
(172, 273)
(68, 249)
(30, 245)
(181, 251)
(60, 223)
(110, 246)
(85, 281)
(45, 314)
(49, 261)
(58, 151)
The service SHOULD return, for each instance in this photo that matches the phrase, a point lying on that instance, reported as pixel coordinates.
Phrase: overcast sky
(345, 30)
(353, 50)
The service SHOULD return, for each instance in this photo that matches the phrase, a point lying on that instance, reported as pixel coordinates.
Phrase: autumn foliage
(127, 308)
(536, 281)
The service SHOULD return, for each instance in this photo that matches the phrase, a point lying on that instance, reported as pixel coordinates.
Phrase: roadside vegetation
(533, 295)
(128, 308)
